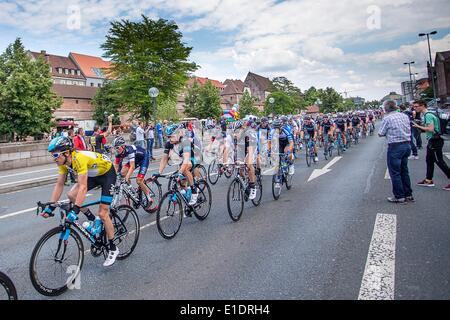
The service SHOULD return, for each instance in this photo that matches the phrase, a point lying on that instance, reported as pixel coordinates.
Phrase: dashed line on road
(379, 274)
(447, 154)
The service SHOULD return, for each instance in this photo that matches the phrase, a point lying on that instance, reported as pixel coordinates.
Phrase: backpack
(442, 125)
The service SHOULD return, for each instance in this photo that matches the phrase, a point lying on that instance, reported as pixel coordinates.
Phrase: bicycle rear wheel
(203, 173)
(169, 215)
(308, 158)
(126, 230)
(235, 200)
(213, 172)
(204, 200)
(9, 292)
(52, 259)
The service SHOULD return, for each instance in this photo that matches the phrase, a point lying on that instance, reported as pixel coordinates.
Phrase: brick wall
(79, 109)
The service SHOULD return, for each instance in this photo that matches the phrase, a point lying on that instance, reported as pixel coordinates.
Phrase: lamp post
(153, 93)
(410, 79)
(431, 60)
(272, 101)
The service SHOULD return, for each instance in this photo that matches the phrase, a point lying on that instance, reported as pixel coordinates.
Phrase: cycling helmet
(339, 115)
(171, 129)
(307, 118)
(284, 119)
(60, 144)
(276, 123)
(118, 142)
(264, 120)
(236, 125)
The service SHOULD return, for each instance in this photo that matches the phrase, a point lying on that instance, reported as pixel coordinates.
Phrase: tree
(27, 101)
(330, 99)
(203, 101)
(285, 85)
(247, 105)
(284, 104)
(167, 110)
(145, 54)
(106, 100)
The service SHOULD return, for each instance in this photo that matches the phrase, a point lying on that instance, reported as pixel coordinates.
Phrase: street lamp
(431, 60)
(153, 93)
(272, 101)
(410, 79)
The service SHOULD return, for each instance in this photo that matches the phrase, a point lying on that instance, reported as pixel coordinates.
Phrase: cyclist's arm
(108, 132)
(82, 189)
(59, 187)
(163, 163)
(130, 171)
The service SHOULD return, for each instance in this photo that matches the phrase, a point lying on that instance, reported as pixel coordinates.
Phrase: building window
(76, 101)
(92, 84)
(72, 72)
(99, 85)
(78, 72)
(63, 81)
(59, 70)
(69, 82)
(51, 69)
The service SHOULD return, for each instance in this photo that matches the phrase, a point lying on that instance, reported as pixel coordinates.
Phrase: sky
(354, 46)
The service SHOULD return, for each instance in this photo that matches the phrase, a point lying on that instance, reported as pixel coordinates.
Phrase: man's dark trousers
(397, 161)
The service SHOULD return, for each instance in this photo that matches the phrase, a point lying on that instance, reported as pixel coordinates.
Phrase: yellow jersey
(92, 163)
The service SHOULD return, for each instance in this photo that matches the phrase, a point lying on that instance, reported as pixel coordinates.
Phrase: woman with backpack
(432, 128)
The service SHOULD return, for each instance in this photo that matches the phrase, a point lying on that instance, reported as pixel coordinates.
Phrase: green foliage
(145, 54)
(27, 101)
(247, 105)
(167, 110)
(106, 100)
(283, 84)
(203, 101)
(284, 104)
(331, 100)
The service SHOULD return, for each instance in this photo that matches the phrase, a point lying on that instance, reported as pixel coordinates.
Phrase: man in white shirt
(140, 139)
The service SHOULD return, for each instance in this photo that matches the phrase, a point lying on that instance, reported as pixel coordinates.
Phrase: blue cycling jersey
(137, 154)
(285, 134)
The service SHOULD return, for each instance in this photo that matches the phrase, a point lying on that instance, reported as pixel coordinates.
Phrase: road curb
(43, 182)
(27, 185)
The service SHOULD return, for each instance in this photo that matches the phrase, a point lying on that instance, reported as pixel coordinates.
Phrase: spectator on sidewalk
(98, 139)
(417, 133)
(79, 141)
(159, 132)
(397, 130)
(150, 136)
(406, 110)
(431, 126)
(140, 136)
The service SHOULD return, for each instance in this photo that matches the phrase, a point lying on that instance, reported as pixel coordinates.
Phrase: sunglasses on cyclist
(56, 155)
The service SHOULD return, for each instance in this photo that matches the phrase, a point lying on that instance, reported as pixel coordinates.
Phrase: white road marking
(26, 180)
(28, 172)
(447, 154)
(318, 172)
(386, 175)
(379, 275)
(27, 210)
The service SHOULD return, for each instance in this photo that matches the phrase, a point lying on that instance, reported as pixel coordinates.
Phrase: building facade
(442, 68)
(258, 86)
(94, 69)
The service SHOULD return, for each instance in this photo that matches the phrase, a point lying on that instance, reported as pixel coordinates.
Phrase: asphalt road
(312, 243)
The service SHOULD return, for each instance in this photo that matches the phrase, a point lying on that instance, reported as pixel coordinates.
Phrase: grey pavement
(312, 243)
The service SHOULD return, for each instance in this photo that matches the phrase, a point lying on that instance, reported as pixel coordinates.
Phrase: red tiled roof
(233, 87)
(202, 81)
(313, 109)
(74, 92)
(264, 83)
(87, 63)
(59, 62)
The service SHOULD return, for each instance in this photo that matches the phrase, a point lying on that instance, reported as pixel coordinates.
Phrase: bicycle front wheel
(276, 185)
(213, 172)
(204, 200)
(155, 194)
(126, 230)
(9, 292)
(259, 189)
(308, 156)
(169, 215)
(53, 258)
(235, 200)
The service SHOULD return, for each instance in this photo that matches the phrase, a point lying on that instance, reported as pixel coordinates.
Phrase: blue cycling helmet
(171, 129)
(276, 124)
(60, 144)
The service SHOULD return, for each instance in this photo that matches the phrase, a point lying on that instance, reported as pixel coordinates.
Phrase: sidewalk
(19, 179)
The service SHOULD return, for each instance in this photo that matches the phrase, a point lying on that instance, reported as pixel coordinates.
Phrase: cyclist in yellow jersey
(93, 170)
